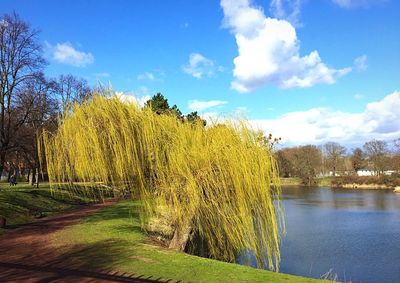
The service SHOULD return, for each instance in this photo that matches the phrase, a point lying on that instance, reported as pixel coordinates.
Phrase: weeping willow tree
(218, 181)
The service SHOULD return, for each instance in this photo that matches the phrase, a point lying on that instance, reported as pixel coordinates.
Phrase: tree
(377, 153)
(267, 141)
(396, 144)
(39, 96)
(357, 159)
(396, 155)
(159, 104)
(217, 182)
(193, 117)
(21, 60)
(307, 163)
(284, 163)
(70, 90)
(333, 152)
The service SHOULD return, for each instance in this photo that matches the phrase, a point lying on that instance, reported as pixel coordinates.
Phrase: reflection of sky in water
(354, 232)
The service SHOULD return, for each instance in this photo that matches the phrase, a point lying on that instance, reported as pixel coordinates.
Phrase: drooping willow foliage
(219, 180)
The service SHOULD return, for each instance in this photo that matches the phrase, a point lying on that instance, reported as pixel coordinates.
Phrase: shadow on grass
(25, 254)
(96, 262)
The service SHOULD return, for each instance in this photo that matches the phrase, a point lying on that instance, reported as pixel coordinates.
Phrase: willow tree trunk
(180, 238)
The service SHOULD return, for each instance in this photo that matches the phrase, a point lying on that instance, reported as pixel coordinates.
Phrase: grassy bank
(24, 204)
(112, 240)
(294, 181)
(350, 182)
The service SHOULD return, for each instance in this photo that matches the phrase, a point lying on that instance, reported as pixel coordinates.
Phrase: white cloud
(212, 117)
(132, 97)
(146, 76)
(65, 53)
(200, 66)
(286, 9)
(348, 4)
(269, 52)
(379, 120)
(197, 105)
(360, 63)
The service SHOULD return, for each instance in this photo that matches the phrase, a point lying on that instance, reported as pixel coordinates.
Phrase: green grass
(325, 182)
(112, 240)
(294, 181)
(22, 203)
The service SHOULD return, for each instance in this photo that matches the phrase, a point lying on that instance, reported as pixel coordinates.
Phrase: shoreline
(365, 186)
(327, 182)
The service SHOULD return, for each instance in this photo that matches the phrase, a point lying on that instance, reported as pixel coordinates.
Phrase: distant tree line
(332, 159)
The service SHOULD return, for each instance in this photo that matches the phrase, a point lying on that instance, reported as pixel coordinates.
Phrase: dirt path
(27, 256)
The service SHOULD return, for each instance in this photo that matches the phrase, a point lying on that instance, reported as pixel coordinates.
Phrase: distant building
(365, 172)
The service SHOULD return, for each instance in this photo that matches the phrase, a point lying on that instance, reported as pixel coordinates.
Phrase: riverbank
(294, 181)
(349, 182)
(112, 239)
(108, 245)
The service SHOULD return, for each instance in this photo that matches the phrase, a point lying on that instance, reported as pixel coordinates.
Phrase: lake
(353, 233)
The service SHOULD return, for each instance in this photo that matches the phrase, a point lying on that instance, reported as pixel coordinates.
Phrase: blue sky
(308, 71)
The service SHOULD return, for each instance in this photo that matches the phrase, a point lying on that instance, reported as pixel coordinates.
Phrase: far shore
(327, 182)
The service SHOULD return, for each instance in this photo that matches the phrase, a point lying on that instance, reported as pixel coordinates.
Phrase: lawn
(295, 181)
(112, 240)
(23, 203)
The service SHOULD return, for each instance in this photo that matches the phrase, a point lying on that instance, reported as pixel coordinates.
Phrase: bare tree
(357, 159)
(377, 153)
(71, 90)
(21, 59)
(334, 152)
(38, 95)
(396, 144)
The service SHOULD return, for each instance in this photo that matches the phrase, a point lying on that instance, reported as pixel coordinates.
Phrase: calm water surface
(354, 233)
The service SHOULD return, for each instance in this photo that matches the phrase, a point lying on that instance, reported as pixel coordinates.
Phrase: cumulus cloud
(269, 51)
(286, 9)
(65, 53)
(348, 4)
(132, 97)
(379, 120)
(360, 63)
(200, 66)
(198, 105)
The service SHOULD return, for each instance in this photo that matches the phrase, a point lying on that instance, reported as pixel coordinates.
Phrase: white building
(365, 172)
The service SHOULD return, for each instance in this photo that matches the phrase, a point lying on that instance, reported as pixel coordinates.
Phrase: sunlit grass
(111, 240)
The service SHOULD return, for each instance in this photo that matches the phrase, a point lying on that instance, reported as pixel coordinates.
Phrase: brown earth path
(26, 254)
